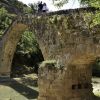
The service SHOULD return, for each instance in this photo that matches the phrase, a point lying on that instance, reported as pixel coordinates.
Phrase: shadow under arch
(26, 61)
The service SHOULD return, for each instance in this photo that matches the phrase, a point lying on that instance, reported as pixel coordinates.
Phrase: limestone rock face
(70, 83)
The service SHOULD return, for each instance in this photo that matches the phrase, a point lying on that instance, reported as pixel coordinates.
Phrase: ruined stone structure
(8, 46)
(71, 39)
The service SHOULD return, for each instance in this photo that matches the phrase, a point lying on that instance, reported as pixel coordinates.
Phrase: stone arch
(8, 45)
(57, 41)
(72, 51)
(72, 82)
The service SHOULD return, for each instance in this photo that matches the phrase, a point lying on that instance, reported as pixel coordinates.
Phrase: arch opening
(27, 56)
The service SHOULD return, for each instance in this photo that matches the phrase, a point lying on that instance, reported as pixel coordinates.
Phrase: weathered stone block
(63, 87)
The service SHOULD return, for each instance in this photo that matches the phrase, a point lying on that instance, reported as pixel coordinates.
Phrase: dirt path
(26, 88)
(19, 89)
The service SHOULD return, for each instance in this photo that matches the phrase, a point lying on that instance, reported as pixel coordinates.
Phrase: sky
(70, 5)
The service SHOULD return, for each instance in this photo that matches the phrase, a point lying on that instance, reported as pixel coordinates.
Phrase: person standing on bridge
(45, 8)
(40, 6)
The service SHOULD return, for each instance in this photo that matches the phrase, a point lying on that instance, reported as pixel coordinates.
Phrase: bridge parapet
(27, 18)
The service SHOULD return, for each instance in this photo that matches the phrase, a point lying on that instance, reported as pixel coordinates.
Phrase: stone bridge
(62, 36)
(67, 37)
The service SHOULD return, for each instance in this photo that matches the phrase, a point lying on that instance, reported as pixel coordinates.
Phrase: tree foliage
(92, 3)
(95, 18)
(28, 43)
(60, 3)
(13, 5)
(5, 20)
(33, 7)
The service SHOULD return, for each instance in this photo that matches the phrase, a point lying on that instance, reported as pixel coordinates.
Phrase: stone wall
(63, 36)
(8, 45)
(67, 35)
(72, 82)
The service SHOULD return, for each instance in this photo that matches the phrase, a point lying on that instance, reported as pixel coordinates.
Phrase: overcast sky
(71, 5)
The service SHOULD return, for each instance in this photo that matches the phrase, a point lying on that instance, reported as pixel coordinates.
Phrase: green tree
(28, 43)
(4, 20)
(33, 7)
(90, 3)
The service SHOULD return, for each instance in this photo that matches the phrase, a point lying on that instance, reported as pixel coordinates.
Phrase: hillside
(12, 6)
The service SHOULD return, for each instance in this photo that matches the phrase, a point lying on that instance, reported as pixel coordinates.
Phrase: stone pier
(8, 46)
(72, 82)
